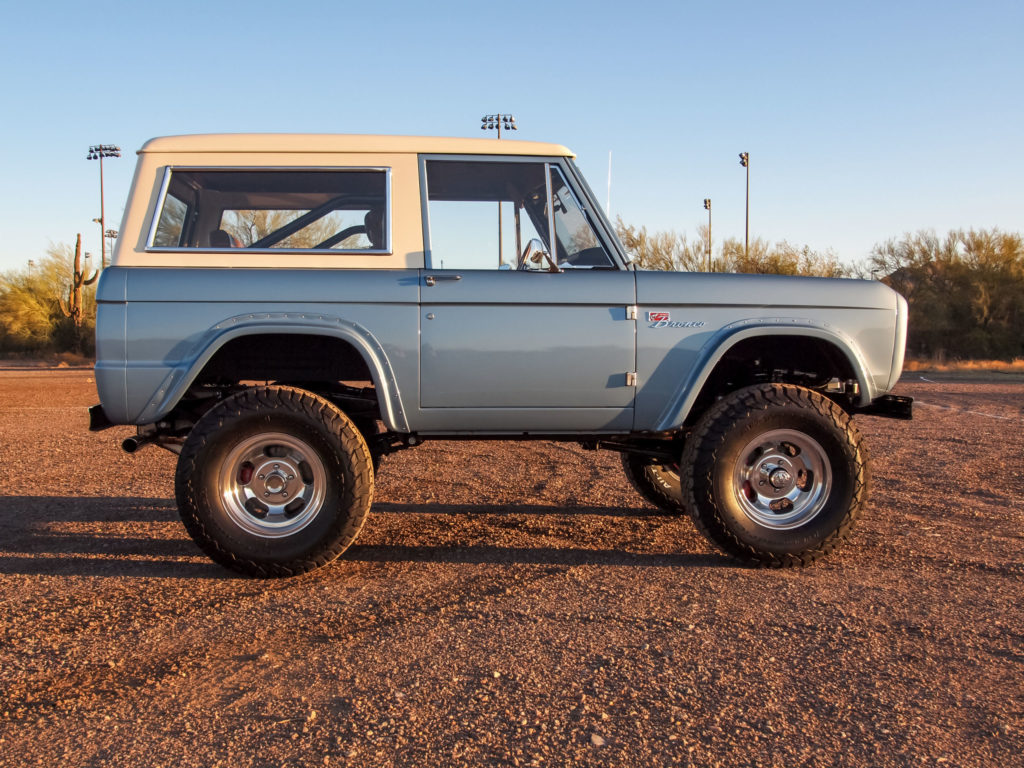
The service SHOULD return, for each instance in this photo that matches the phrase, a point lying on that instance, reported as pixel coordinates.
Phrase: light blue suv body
(301, 272)
(442, 364)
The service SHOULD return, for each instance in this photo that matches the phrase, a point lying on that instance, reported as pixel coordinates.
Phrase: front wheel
(274, 481)
(775, 474)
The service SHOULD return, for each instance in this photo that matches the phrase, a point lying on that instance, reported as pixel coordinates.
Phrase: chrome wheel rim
(782, 479)
(272, 484)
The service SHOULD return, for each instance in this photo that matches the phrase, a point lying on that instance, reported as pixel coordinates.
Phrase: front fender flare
(678, 407)
(177, 382)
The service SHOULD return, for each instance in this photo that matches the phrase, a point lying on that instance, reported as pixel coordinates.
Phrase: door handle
(432, 279)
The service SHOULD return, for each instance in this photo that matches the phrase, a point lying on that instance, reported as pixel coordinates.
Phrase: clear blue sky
(863, 120)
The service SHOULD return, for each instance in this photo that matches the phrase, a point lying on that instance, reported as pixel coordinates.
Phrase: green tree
(783, 258)
(672, 251)
(965, 291)
(31, 320)
(667, 251)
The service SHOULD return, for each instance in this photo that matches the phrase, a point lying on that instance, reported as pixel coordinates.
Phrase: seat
(221, 239)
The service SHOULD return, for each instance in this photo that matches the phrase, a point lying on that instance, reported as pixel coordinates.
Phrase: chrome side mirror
(534, 256)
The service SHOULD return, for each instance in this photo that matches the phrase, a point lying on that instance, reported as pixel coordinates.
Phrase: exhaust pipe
(132, 444)
(169, 442)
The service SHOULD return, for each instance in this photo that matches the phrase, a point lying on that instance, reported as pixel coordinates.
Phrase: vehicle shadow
(387, 507)
(137, 536)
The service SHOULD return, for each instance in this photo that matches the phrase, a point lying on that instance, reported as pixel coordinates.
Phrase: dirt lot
(512, 604)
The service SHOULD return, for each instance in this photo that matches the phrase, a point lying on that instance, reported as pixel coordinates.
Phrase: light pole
(745, 162)
(98, 152)
(490, 123)
(707, 207)
(111, 235)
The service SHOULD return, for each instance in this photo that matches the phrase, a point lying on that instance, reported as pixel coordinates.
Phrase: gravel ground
(512, 604)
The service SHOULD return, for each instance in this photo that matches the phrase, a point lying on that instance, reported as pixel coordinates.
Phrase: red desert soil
(512, 604)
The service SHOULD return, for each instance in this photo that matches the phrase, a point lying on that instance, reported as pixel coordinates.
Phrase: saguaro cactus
(73, 307)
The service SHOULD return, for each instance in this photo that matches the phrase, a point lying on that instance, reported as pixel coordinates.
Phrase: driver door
(543, 343)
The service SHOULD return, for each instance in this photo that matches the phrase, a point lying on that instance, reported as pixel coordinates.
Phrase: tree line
(965, 289)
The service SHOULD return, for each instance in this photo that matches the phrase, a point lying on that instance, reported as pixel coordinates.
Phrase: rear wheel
(656, 481)
(274, 481)
(775, 474)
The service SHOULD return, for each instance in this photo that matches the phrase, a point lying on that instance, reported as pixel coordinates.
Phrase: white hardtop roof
(348, 143)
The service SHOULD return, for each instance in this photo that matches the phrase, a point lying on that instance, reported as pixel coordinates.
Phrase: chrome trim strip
(428, 259)
(388, 247)
(279, 167)
(262, 251)
(159, 206)
(552, 247)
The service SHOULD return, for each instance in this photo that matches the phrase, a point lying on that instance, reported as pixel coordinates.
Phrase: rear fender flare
(177, 382)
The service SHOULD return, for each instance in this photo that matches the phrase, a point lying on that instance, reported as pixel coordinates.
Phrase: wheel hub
(782, 479)
(275, 479)
(272, 484)
(779, 478)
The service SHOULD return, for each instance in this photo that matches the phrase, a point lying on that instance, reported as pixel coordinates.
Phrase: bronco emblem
(664, 320)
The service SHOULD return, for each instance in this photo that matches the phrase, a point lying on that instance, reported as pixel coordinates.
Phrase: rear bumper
(98, 420)
(890, 406)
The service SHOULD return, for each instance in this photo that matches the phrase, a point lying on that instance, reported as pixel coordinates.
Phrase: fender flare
(177, 382)
(727, 337)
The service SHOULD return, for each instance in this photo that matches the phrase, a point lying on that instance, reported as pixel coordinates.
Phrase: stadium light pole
(490, 123)
(111, 235)
(707, 207)
(745, 162)
(98, 152)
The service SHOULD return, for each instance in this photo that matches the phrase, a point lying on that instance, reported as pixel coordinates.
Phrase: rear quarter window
(329, 210)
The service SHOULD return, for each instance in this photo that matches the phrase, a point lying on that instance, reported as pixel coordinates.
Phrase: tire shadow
(140, 536)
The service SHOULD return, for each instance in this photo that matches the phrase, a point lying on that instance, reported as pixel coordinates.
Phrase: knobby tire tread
(707, 440)
(357, 494)
(652, 492)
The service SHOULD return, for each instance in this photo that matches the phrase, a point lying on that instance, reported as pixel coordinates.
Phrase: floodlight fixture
(497, 122)
(98, 152)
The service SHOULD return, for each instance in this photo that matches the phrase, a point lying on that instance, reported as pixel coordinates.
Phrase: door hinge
(631, 379)
(631, 312)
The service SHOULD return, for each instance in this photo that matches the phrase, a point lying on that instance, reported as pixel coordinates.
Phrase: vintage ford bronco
(283, 311)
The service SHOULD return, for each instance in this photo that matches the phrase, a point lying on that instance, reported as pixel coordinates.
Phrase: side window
(483, 214)
(259, 209)
(494, 215)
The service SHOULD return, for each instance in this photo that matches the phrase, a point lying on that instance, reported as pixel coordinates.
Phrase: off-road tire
(316, 442)
(656, 481)
(716, 477)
